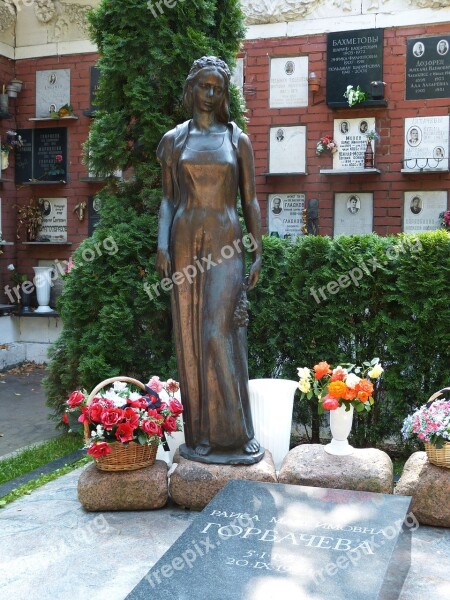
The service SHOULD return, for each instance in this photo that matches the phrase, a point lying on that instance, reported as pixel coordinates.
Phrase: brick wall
(387, 187)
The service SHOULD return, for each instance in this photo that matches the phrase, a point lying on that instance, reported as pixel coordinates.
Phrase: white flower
(11, 267)
(135, 396)
(118, 386)
(303, 372)
(376, 371)
(352, 380)
(118, 400)
(304, 385)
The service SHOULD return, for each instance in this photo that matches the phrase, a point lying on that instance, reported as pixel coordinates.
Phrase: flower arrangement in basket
(347, 385)
(431, 424)
(123, 428)
(326, 144)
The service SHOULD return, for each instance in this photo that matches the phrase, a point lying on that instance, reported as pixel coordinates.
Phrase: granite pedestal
(194, 484)
(429, 487)
(142, 489)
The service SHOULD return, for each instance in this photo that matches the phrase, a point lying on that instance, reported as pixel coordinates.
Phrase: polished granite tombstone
(258, 541)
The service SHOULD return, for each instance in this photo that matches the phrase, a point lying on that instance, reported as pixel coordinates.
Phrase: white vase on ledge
(42, 282)
(340, 425)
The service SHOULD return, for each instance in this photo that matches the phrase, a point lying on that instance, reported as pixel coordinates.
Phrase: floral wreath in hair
(209, 61)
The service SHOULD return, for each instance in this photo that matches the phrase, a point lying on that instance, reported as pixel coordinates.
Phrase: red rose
(95, 412)
(124, 432)
(175, 407)
(138, 403)
(151, 428)
(75, 399)
(99, 449)
(110, 417)
(170, 424)
(131, 416)
(65, 419)
(84, 417)
(330, 403)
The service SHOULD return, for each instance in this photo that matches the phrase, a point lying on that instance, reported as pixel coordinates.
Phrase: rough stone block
(193, 484)
(143, 489)
(366, 470)
(429, 487)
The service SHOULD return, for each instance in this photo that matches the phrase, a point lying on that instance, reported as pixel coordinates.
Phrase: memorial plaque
(52, 90)
(353, 58)
(258, 541)
(237, 77)
(43, 156)
(93, 213)
(428, 68)
(421, 210)
(287, 149)
(350, 137)
(353, 213)
(94, 81)
(289, 82)
(54, 220)
(426, 144)
(24, 157)
(285, 215)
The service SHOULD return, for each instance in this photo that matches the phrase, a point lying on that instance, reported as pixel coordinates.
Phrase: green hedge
(389, 299)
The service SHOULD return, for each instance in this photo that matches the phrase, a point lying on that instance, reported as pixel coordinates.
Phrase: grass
(39, 455)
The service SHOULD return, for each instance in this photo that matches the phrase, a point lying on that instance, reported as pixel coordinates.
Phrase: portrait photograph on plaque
(52, 91)
(285, 213)
(421, 210)
(354, 58)
(289, 82)
(428, 67)
(287, 149)
(54, 220)
(350, 137)
(426, 144)
(353, 213)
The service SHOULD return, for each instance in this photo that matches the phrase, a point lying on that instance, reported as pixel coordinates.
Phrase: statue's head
(204, 65)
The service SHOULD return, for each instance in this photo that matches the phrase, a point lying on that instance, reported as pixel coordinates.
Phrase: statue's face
(208, 90)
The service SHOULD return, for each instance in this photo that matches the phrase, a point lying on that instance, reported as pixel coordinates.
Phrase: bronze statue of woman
(205, 162)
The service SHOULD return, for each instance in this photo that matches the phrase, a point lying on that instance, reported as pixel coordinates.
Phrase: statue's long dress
(211, 346)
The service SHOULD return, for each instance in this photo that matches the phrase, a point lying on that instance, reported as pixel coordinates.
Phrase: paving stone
(367, 469)
(194, 484)
(142, 489)
(429, 487)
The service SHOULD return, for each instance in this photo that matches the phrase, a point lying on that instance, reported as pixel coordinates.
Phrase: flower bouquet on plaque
(346, 385)
(326, 144)
(124, 425)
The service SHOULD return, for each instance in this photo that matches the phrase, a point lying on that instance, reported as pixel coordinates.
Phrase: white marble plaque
(237, 77)
(287, 149)
(52, 91)
(426, 144)
(289, 82)
(353, 213)
(54, 220)
(421, 210)
(285, 214)
(350, 136)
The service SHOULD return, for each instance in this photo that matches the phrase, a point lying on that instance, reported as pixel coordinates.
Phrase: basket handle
(102, 384)
(432, 398)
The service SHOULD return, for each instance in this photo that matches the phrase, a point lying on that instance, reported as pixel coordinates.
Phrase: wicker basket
(438, 456)
(123, 457)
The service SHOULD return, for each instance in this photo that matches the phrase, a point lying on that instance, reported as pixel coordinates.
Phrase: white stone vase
(271, 402)
(42, 282)
(340, 425)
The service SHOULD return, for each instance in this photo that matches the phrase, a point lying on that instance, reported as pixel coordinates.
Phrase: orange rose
(321, 369)
(363, 396)
(349, 394)
(365, 386)
(337, 389)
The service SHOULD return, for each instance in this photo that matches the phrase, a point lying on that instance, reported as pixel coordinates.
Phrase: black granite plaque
(259, 540)
(353, 58)
(24, 157)
(93, 213)
(94, 81)
(428, 68)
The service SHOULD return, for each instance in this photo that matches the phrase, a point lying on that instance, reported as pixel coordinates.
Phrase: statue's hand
(254, 273)
(163, 263)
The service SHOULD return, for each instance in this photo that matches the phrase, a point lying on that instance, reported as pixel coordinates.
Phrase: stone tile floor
(52, 549)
